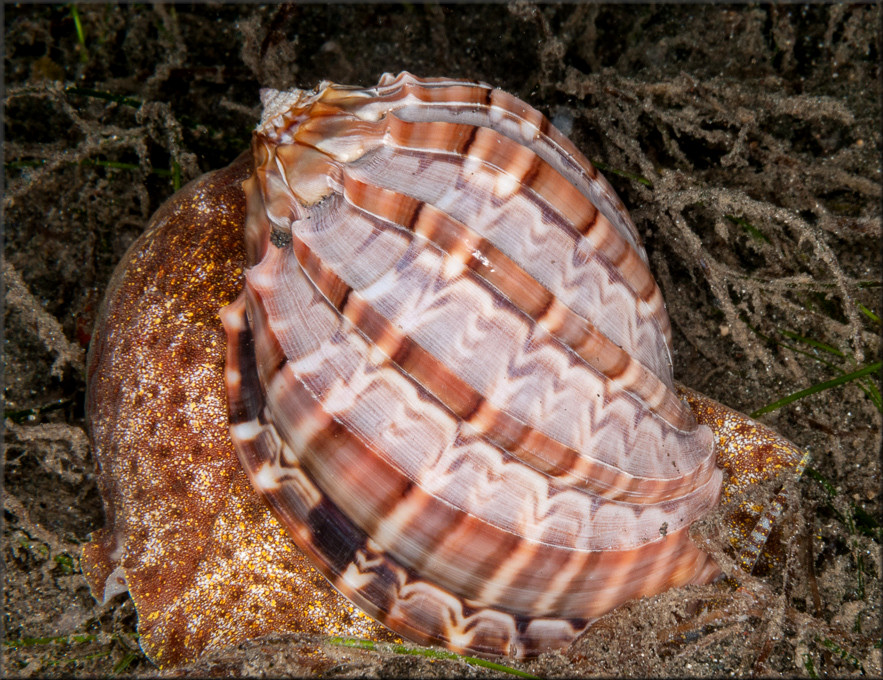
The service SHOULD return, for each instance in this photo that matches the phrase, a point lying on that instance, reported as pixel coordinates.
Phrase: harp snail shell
(448, 370)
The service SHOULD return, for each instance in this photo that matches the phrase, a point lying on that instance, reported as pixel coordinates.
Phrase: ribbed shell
(449, 373)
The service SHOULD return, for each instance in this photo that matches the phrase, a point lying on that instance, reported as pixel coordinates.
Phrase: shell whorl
(449, 373)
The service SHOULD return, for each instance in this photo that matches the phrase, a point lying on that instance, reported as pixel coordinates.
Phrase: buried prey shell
(448, 373)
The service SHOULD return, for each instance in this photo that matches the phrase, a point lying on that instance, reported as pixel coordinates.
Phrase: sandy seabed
(745, 141)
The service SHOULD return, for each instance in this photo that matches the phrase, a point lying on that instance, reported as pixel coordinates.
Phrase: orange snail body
(446, 369)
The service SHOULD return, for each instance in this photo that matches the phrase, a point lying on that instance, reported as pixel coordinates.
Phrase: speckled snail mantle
(444, 369)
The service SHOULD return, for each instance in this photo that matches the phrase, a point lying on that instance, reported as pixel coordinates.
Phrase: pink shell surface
(449, 373)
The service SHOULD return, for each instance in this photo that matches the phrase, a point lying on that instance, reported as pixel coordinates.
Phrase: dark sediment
(745, 140)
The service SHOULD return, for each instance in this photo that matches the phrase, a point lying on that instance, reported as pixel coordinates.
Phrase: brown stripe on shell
(454, 238)
(424, 368)
(539, 451)
(515, 162)
(311, 192)
(518, 168)
(393, 514)
(350, 563)
(467, 102)
(479, 104)
(533, 447)
(535, 236)
(522, 290)
(370, 578)
(360, 370)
